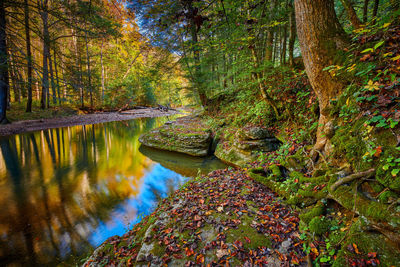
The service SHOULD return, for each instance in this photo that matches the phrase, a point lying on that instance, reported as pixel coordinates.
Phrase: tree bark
(321, 36)
(375, 11)
(46, 39)
(102, 73)
(57, 79)
(28, 56)
(292, 33)
(283, 46)
(53, 84)
(351, 13)
(4, 81)
(88, 69)
(196, 53)
(365, 11)
(270, 33)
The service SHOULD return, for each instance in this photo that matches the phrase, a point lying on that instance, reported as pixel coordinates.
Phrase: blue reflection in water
(156, 184)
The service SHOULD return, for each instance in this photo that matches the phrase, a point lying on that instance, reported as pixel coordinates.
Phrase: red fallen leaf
(178, 256)
(202, 201)
(197, 218)
(372, 254)
(238, 243)
(247, 239)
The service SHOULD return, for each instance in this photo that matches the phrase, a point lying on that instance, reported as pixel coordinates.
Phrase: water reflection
(64, 191)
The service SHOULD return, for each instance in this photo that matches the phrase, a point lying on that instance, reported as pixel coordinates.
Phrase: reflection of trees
(20, 196)
(61, 185)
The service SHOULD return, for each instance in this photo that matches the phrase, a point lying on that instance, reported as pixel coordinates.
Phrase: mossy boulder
(185, 135)
(244, 146)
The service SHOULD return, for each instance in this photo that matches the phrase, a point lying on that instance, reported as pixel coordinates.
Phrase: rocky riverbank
(224, 218)
(273, 213)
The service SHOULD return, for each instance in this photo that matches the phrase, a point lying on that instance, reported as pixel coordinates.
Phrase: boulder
(246, 144)
(185, 135)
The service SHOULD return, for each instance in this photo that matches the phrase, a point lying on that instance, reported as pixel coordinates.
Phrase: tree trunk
(4, 82)
(28, 56)
(283, 46)
(375, 11)
(46, 39)
(365, 11)
(102, 73)
(270, 33)
(56, 72)
(321, 36)
(351, 13)
(53, 84)
(88, 69)
(196, 54)
(78, 67)
(292, 33)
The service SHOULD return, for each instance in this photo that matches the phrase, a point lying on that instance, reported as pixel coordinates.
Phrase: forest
(297, 100)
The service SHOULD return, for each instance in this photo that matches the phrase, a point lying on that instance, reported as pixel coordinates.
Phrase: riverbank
(223, 218)
(215, 219)
(42, 124)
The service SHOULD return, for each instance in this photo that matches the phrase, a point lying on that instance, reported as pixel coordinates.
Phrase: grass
(18, 112)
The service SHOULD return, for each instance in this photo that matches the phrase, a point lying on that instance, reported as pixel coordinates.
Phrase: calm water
(64, 191)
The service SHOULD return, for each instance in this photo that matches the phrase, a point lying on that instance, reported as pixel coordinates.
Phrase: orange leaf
(378, 151)
(356, 249)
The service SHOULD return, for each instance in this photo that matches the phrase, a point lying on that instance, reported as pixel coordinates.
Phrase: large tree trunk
(4, 82)
(321, 36)
(28, 56)
(351, 13)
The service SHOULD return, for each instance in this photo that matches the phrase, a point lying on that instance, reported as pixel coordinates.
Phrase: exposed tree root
(354, 176)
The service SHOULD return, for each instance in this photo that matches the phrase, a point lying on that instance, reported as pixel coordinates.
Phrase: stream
(64, 191)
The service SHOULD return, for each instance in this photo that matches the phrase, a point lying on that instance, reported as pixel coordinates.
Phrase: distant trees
(65, 53)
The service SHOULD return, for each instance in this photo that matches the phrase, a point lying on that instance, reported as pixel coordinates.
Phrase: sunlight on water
(65, 191)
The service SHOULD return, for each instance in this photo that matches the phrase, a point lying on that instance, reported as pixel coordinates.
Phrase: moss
(158, 250)
(294, 162)
(275, 170)
(313, 212)
(245, 230)
(367, 242)
(319, 225)
(349, 144)
(371, 209)
(386, 196)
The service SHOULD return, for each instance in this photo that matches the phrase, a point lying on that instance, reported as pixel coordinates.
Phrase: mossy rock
(191, 138)
(313, 212)
(367, 242)
(319, 225)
